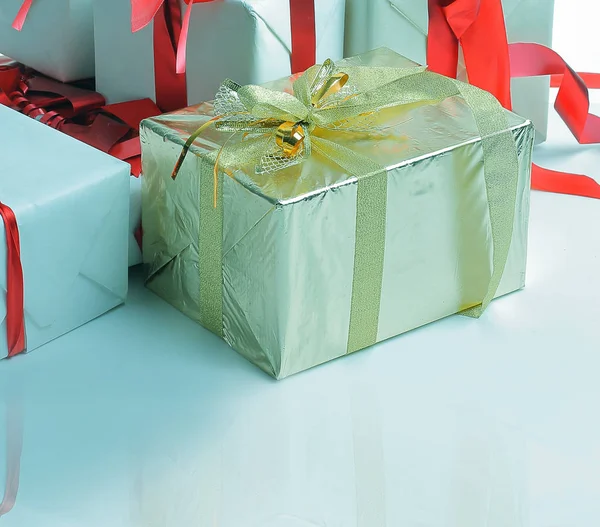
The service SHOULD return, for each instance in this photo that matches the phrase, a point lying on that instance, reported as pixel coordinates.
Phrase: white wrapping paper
(246, 39)
(57, 38)
(71, 204)
(402, 26)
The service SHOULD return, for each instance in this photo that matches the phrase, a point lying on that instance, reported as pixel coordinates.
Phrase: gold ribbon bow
(281, 129)
(276, 130)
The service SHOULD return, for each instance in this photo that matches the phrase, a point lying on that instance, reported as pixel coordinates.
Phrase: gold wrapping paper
(289, 238)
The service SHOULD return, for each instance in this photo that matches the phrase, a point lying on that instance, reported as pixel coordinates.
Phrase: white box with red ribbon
(141, 45)
(55, 37)
(64, 231)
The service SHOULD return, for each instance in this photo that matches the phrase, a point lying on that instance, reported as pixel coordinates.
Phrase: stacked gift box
(300, 219)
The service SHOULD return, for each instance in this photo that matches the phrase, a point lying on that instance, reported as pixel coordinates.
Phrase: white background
(577, 33)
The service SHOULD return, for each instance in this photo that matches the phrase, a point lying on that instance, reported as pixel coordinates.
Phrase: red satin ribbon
(170, 35)
(22, 15)
(304, 41)
(478, 26)
(592, 80)
(15, 313)
(572, 104)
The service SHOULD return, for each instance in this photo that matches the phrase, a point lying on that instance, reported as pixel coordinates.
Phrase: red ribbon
(572, 102)
(170, 46)
(592, 80)
(15, 311)
(478, 26)
(22, 15)
(14, 449)
(304, 41)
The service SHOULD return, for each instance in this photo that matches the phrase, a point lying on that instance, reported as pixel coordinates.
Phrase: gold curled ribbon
(282, 129)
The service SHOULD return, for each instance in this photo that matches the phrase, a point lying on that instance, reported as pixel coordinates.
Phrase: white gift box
(57, 38)
(71, 202)
(402, 26)
(249, 40)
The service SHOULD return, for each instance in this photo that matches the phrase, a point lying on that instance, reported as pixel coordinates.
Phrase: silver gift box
(289, 238)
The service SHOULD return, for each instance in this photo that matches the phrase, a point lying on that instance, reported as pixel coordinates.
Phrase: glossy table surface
(143, 419)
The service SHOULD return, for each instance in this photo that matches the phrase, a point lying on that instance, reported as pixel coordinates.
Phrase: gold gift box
(286, 255)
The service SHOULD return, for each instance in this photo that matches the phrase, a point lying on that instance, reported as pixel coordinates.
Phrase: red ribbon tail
(15, 310)
(22, 15)
(572, 101)
(442, 43)
(479, 28)
(181, 59)
(564, 183)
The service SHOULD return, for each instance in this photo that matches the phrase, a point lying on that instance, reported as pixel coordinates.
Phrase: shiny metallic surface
(289, 237)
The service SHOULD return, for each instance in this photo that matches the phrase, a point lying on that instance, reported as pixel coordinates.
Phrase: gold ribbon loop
(290, 138)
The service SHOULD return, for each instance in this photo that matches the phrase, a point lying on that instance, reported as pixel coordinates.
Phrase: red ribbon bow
(478, 26)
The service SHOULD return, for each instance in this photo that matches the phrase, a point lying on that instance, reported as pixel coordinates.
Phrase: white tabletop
(144, 419)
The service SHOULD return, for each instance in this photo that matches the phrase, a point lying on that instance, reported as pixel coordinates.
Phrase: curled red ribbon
(478, 26)
(15, 311)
